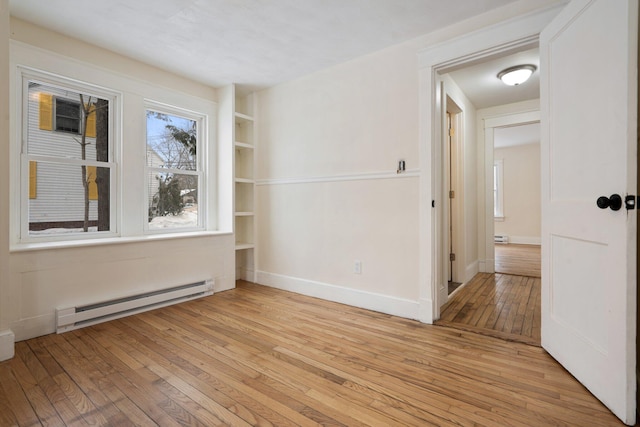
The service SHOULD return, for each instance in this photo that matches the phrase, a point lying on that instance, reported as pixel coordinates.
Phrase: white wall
(328, 191)
(39, 280)
(522, 212)
(328, 195)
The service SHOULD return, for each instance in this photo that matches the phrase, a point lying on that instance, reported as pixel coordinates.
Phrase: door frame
(513, 35)
(522, 114)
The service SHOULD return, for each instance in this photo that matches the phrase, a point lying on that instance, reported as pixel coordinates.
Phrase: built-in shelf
(242, 116)
(245, 180)
(244, 145)
(243, 246)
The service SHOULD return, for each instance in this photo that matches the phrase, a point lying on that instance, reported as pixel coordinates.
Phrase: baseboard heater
(500, 239)
(71, 318)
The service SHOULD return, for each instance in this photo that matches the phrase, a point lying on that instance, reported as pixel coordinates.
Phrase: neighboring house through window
(73, 184)
(69, 165)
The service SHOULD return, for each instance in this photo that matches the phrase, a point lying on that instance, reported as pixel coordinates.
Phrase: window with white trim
(67, 169)
(498, 190)
(174, 169)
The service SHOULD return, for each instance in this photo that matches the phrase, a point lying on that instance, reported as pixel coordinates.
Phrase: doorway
(495, 113)
(516, 194)
(506, 303)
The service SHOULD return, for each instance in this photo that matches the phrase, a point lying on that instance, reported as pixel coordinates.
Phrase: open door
(588, 143)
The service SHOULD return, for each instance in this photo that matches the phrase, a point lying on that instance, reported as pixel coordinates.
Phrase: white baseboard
(426, 311)
(471, 270)
(32, 327)
(7, 345)
(368, 300)
(487, 266)
(524, 240)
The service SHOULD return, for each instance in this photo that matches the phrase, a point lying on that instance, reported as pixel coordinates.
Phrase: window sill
(37, 246)
(498, 218)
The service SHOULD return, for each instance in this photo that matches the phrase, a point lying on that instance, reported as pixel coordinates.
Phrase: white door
(588, 106)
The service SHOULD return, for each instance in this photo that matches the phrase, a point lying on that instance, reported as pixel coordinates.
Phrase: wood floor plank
(519, 260)
(504, 306)
(259, 356)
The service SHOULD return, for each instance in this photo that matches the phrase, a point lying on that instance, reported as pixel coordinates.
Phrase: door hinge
(452, 194)
(452, 132)
(452, 257)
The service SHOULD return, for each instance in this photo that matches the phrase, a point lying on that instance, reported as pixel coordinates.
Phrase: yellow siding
(33, 179)
(91, 121)
(93, 187)
(46, 111)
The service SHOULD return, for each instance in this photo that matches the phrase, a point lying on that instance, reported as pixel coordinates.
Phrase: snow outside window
(174, 170)
(67, 163)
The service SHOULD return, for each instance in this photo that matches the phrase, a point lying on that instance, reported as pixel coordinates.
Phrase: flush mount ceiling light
(514, 76)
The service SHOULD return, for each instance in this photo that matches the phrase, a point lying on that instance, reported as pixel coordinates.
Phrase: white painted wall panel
(522, 211)
(39, 280)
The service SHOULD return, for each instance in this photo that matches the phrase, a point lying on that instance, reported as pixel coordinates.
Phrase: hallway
(498, 305)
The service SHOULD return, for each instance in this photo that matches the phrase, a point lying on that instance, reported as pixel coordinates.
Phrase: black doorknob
(614, 202)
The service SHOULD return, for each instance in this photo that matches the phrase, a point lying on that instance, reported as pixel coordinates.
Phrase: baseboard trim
(487, 266)
(471, 270)
(7, 344)
(368, 300)
(524, 240)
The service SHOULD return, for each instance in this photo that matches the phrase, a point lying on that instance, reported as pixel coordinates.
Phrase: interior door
(589, 115)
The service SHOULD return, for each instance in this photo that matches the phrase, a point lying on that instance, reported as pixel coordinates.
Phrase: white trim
(412, 173)
(7, 344)
(525, 240)
(368, 300)
(471, 270)
(498, 189)
(114, 240)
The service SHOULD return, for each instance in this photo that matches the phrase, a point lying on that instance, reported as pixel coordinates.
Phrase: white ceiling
(256, 43)
(516, 135)
(481, 85)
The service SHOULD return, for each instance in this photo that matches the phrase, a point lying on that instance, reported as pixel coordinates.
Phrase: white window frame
(25, 76)
(498, 189)
(201, 165)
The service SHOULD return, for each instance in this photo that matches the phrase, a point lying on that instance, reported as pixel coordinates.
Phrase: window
(79, 170)
(67, 167)
(174, 171)
(67, 115)
(498, 188)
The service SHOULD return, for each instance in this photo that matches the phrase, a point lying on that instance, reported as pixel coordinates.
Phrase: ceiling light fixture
(519, 74)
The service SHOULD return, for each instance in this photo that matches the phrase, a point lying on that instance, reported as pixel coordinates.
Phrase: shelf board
(243, 117)
(245, 180)
(241, 246)
(244, 213)
(239, 144)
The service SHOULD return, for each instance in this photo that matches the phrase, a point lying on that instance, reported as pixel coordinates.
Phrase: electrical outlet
(357, 267)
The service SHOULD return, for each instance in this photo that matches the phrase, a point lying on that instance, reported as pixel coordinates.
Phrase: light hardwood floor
(521, 260)
(259, 356)
(498, 305)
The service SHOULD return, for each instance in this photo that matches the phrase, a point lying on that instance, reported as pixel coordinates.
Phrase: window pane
(57, 125)
(171, 141)
(67, 115)
(57, 198)
(173, 200)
